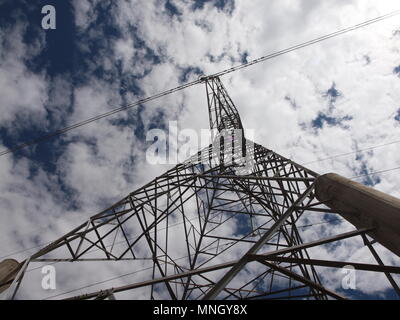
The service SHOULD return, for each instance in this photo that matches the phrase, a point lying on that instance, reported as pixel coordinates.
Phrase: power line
(98, 117)
(308, 43)
(352, 152)
(24, 250)
(195, 82)
(375, 172)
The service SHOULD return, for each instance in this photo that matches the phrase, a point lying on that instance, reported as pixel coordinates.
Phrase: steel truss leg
(378, 259)
(302, 279)
(218, 287)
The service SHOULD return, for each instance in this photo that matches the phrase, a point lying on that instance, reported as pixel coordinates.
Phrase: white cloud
(22, 91)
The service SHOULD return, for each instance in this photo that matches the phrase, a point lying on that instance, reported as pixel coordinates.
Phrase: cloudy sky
(337, 97)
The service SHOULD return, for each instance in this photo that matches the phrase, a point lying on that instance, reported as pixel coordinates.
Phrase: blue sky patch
(397, 70)
(397, 116)
(227, 5)
(245, 55)
(332, 94)
(188, 72)
(171, 8)
(364, 170)
(324, 119)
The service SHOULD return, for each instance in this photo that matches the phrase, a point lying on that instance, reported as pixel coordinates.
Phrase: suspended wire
(24, 250)
(356, 151)
(375, 172)
(351, 152)
(308, 43)
(98, 117)
(198, 81)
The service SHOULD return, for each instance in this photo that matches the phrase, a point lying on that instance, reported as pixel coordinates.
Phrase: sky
(335, 97)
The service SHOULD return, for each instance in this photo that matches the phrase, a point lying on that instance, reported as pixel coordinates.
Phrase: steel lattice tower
(234, 198)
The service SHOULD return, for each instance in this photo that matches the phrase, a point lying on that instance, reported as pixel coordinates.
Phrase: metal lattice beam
(232, 196)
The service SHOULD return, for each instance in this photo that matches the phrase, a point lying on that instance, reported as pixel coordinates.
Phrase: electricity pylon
(228, 223)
